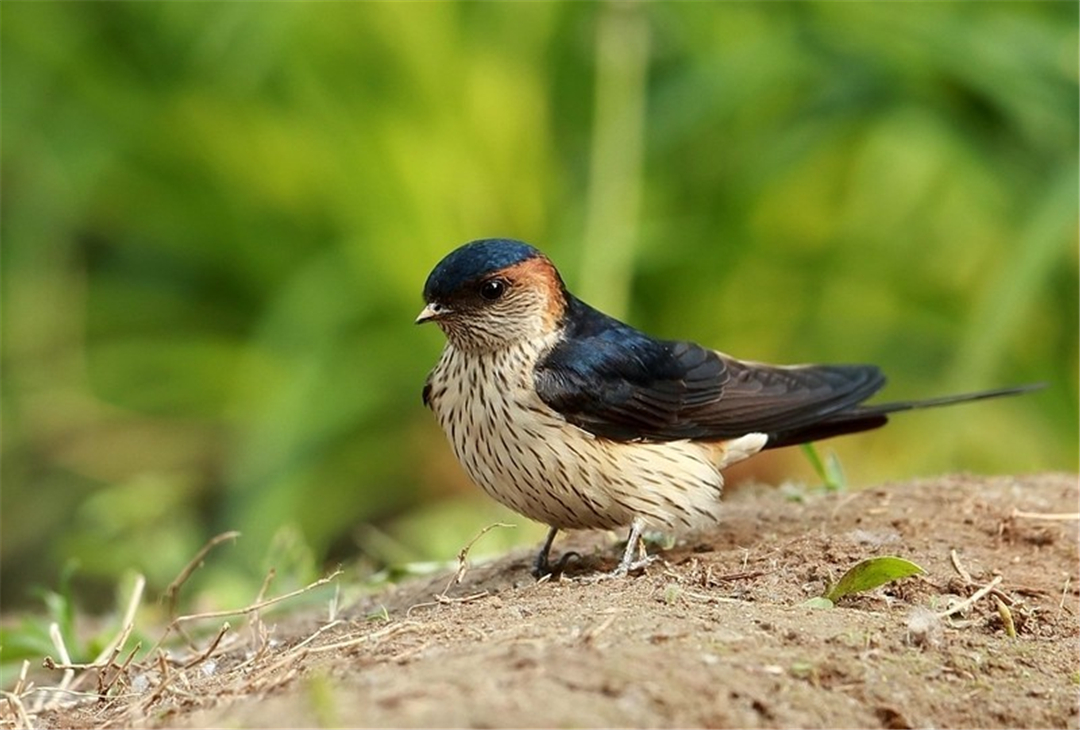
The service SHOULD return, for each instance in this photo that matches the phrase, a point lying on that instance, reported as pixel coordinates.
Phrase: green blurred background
(217, 219)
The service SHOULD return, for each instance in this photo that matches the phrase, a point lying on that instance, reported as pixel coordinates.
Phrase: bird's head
(494, 293)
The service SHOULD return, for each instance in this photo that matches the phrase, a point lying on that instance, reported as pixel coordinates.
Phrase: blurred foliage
(217, 218)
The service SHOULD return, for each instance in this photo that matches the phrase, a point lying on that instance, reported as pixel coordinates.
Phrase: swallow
(577, 420)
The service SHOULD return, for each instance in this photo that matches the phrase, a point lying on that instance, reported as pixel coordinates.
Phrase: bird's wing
(619, 383)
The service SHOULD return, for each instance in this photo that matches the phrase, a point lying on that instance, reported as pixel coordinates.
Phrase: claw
(625, 569)
(634, 556)
(634, 547)
(542, 566)
(556, 569)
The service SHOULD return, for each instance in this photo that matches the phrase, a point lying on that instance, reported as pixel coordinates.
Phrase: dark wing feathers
(616, 382)
(862, 418)
(771, 399)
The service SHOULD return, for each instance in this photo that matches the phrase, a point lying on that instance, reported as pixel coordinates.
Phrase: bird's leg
(541, 566)
(630, 560)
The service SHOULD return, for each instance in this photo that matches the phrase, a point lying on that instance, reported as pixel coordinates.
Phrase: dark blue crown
(472, 262)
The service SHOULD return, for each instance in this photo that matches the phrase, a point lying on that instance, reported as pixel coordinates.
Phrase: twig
(20, 685)
(194, 564)
(955, 560)
(318, 632)
(107, 659)
(261, 646)
(210, 649)
(65, 659)
(99, 664)
(127, 624)
(258, 629)
(15, 702)
(999, 596)
(1064, 592)
(380, 634)
(1056, 516)
(270, 575)
(463, 555)
(166, 679)
(708, 598)
(334, 605)
(422, 604)
(260, 605)
(120, 671)
(441, 598)
(175, 623)
(14, 697)
(964, 605)
(590, 636)
(51, 664)
(256, 681)
(744, 575)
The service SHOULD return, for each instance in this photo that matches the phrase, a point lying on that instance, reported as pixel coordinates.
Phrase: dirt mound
(714, 633)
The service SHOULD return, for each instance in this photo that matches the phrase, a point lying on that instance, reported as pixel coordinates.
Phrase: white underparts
(526, 456)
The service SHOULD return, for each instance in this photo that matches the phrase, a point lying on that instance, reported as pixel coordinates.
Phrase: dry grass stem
(592, 634)
(259, 605)
(258, 681)
(1053, 516)
(194, 564)
(270, 576)
(166, 679)
(20, 685)
(259, 633)
(975, 597)
(177, 683)
(17, 709)
(203, 656)
(45, 699)
(127, 623)
(175, 624)
(463, 554)
(954, 558)
(334, 604)
(14, 699)
(441, 598)
(121, 670)
(317, 633)
(707, 598)
(384, 633)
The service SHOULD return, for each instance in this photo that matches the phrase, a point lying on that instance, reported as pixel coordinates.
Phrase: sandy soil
(712, 634)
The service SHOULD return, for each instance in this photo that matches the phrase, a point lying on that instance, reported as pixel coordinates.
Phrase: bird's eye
(492, 289)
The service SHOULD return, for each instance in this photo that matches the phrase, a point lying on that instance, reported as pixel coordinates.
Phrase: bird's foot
(624, 569)
(542, 567)
(634, 556)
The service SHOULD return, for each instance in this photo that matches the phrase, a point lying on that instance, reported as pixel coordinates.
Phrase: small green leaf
(871, 573)
(820, 602)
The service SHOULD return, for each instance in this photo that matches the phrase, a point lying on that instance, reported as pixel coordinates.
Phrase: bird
(577, 420)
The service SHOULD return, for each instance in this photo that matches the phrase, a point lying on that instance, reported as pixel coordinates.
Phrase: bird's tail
(865, 418)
